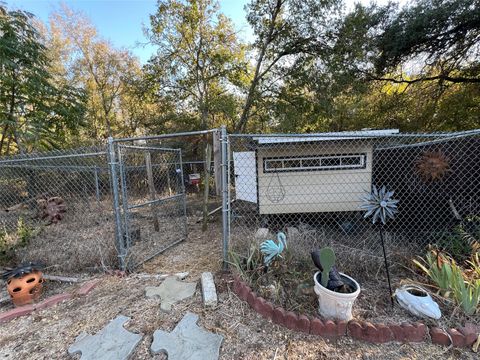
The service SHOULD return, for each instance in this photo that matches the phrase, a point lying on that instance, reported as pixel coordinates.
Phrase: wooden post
(208, 160)
(151, 188)
(169, 185)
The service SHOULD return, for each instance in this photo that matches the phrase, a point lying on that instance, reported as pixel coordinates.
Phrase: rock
(187, 341)
(209, 293)
(113, 342)
(170, 291)
(262, 234)
(293, 233)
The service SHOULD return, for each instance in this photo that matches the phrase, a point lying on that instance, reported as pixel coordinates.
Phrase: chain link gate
(151, 201)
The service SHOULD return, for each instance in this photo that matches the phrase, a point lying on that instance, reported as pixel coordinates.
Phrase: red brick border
(48, 302)
(359, 330)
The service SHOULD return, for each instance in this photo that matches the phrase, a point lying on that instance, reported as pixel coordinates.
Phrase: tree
(34, 111)
(199, 58)
(100, 69)
(286, 31)
(427, 40)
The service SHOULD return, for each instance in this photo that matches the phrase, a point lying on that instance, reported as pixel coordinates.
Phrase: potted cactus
(336, 291)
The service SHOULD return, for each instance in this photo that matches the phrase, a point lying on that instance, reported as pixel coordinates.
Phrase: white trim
(331, 136)
(320, 159)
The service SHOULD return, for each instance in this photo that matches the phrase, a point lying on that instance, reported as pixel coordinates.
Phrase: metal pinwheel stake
(380, 206)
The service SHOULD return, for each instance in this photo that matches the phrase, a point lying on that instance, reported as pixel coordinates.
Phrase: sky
(122, 21)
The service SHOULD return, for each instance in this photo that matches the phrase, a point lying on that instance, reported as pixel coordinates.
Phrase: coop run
(121, 203)
(312, 185)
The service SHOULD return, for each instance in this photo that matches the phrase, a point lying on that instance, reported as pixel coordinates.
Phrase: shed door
(244, 166)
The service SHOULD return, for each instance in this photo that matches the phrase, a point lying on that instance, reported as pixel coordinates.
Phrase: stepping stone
(170, 291)
(113, 342)
(209, 293)
(187, 341)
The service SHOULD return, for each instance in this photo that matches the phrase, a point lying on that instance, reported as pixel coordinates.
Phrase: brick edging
(48, 302)
(377, 333)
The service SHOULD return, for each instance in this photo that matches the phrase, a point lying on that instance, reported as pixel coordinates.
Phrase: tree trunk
(241, 126)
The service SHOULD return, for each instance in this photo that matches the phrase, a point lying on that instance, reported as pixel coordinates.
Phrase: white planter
(334, 305)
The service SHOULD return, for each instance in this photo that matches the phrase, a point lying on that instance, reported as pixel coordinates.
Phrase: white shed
(326, 172)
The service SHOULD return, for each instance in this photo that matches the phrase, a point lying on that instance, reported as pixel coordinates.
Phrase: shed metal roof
(342, 135)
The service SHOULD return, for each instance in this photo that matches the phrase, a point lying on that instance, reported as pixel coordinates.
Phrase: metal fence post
(225, 195)
(116, 202)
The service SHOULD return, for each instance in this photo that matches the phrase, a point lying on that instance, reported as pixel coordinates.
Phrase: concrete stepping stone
(113, 342)
(187, 341)
(170, 291)
(209, 293)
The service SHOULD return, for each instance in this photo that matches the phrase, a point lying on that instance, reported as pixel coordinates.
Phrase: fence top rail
(164, 136)
(149, 148)
(53, 157)
(356, 134)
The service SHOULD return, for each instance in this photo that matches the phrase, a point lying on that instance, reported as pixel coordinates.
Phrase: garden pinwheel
(271, 250)
(381, 206)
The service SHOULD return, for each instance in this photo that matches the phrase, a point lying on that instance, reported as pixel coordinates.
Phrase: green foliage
(35, 112)
(198, 58)
(310, 67)
(24, 233)
(249, 265)
(327, 260)
(19, 238)
(439, 268)
(466, 294)
(462, 241)
(462, 285)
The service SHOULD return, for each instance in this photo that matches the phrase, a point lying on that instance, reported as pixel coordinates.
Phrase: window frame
(361, 165)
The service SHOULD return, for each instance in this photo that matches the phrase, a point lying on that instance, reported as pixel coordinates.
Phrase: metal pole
(116, 202)
(386, 264)
(126, 218)
(163, 136)
(182, 189)
(225, 199)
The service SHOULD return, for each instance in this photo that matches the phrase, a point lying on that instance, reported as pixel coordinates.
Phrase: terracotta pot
(26, 288)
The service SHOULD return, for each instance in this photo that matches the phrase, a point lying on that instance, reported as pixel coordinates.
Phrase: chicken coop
(307, 174)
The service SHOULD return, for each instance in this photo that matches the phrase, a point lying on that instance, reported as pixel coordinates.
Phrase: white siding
(314, 191)
(245, 176)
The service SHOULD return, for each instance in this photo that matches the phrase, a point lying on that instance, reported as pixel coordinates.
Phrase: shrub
(462, 285)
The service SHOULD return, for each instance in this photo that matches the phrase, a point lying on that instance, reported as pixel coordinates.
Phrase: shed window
(311, 163)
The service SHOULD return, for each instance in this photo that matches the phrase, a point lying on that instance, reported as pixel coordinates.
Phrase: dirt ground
(48, 333)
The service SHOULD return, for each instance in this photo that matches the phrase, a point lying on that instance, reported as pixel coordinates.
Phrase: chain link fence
(55, 207)
(125, 202)
(310, 186)
(110, 206)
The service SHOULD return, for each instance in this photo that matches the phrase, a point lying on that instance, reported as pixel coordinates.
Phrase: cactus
(327, 260)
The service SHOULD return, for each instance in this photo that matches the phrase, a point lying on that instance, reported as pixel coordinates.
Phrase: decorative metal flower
(380, 204)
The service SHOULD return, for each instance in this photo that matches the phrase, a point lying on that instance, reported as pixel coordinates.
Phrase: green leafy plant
(462, 285)
(24, 232)
(439, 268)
(465, 293)
(249, 264)
(474, 264)
(462, 241)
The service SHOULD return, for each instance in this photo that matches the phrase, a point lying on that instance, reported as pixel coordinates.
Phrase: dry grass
(47, 334)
